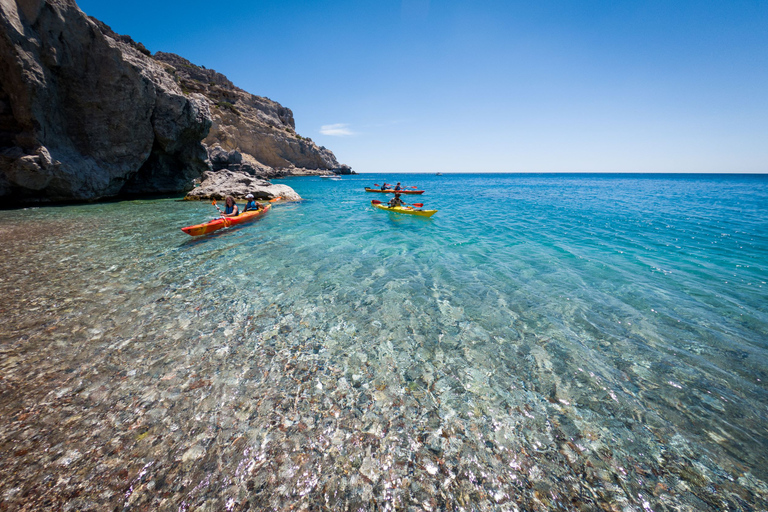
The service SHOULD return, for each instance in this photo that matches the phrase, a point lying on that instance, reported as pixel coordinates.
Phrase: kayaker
(396, 201)
(384, 187)
(230, 208)
(251, 204)
(398, 187)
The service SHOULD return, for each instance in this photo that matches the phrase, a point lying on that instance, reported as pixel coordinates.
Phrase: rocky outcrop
(86, 114)
(219, 184)
(258, 129)
(236, 161)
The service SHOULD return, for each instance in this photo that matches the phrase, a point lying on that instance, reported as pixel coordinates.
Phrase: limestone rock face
(250, 125)
(238, 184)
(236, 161)
(87, 114)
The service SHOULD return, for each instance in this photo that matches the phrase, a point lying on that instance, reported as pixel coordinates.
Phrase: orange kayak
(225, 222)
(390, 191)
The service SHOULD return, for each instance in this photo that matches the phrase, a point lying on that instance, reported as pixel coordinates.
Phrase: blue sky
(490, 86)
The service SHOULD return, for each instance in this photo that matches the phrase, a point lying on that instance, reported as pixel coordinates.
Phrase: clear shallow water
(541, 343)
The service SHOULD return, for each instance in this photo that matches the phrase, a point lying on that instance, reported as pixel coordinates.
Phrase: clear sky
(490, 85)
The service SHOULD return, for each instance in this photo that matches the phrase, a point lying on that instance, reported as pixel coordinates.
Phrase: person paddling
(396, 201)
(384, 186)
(398, 187)
(230, 208)
(251, 205)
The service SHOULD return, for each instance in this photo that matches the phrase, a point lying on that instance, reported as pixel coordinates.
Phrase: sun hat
(249, 196)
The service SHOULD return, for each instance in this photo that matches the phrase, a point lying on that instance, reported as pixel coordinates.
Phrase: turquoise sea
(544, 342)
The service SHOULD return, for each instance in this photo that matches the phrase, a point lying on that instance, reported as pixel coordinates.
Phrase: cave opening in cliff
(162, 173)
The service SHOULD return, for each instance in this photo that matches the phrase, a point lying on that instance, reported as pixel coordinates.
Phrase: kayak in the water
(392, 191)
(403, 209)
(225, 222)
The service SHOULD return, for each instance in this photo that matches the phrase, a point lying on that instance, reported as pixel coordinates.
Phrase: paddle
(220, 212)
(227, 221)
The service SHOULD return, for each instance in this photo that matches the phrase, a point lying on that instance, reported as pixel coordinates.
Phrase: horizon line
(759, 173)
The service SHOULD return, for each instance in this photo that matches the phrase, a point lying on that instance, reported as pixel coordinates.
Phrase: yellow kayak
(404, 209)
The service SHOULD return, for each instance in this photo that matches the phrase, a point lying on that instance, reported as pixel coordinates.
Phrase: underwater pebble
(193, 453)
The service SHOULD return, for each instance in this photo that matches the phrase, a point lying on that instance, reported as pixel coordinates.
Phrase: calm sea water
(544, 342)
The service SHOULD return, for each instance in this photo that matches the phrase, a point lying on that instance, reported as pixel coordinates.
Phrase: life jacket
(229, 209)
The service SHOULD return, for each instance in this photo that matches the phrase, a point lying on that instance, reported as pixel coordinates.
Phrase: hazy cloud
(336, 130)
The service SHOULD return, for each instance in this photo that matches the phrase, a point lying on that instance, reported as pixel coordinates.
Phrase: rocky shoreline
(87, 114)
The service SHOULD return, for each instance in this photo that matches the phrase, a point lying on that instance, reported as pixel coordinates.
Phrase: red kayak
(225, 222)
(390, 191)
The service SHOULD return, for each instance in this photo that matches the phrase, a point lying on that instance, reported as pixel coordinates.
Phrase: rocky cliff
(249, 132)
(87, 114)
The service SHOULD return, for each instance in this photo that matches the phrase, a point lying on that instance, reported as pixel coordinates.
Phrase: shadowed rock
(85, 114)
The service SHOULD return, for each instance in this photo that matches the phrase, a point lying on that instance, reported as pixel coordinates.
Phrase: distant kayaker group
(387, 188)
(396, 189)
(396, 204)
